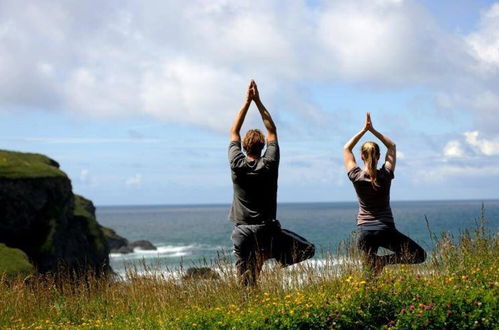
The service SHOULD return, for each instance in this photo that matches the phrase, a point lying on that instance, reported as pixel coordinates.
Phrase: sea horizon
(298, 202)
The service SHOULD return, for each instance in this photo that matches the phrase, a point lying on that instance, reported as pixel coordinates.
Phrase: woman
(375, 220)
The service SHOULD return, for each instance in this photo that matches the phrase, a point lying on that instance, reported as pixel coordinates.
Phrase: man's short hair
(253, 142)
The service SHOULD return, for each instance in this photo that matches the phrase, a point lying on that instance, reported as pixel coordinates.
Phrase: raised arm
(391, 153)
(238, 122)
(267, 119)
(348, 157)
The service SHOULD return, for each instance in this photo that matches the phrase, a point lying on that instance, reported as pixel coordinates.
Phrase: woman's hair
(253, 142)
(370, 155)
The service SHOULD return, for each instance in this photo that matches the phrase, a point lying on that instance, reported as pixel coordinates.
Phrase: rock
(40, 215)
(200, 273)
(123, 250)
(114, 241)
(119, 244)
(143, 245)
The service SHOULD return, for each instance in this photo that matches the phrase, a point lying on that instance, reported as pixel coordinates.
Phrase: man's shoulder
(235, 144)
(272, 152)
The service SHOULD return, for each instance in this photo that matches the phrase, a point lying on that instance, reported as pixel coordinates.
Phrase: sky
(135, 99)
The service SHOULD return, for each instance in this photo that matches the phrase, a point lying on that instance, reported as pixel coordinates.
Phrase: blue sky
(135, 100)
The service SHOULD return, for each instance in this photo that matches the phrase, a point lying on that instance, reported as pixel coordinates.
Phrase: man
(257, 235)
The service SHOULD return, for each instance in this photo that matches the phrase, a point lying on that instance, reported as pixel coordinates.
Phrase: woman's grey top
(255, 185)
(374, 203)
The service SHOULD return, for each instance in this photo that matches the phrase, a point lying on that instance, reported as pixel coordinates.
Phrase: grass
(457, 288)
(14, 262)
(15, 165)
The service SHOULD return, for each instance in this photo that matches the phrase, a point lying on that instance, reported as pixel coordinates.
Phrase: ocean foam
(165, 251)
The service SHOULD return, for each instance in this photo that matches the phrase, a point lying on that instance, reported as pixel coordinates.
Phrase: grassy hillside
(14, 262)
(15, 165)
(457, 288)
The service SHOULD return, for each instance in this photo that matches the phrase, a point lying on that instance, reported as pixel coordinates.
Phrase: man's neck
(252, 157)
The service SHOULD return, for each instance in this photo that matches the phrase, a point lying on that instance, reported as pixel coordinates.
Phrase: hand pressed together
(252, 93)
(368, 125)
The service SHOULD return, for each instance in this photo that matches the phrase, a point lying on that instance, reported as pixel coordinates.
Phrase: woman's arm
(348, 157)
(391, 153)
(267, 119)
(238, 122)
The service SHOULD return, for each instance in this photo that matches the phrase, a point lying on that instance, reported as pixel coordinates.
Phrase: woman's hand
(368, 125)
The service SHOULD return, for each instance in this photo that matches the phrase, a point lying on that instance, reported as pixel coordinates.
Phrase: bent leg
(406, 251)
(290, 248)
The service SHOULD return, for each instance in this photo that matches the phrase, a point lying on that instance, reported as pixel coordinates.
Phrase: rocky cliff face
(40, 215)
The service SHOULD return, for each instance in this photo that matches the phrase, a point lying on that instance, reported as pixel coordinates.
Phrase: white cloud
(484, 146)
(389, 42)
(484, 43)
(134, 181)
(439, 174)
(189, 62)
(453, 149)
(193, 93)
(471, 147)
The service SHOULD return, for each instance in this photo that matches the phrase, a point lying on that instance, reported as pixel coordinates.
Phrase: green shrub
(14, 262)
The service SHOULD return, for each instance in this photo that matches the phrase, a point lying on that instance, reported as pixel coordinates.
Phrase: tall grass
(456, 288)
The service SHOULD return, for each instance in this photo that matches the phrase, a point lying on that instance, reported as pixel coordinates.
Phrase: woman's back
(374, 202)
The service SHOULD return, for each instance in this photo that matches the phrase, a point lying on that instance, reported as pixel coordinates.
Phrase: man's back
(255, 185)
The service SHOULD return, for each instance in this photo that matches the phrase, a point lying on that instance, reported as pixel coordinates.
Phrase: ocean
(190, 235)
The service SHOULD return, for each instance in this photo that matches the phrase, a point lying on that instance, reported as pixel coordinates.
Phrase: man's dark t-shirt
(255, 185)
(374, 204)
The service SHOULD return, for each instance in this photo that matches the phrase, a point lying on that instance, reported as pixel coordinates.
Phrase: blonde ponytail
(370, 154)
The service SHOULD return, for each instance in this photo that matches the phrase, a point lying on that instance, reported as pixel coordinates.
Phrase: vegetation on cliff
(84, 211)
(20, 165)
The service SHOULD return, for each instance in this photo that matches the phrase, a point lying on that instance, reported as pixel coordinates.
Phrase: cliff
(40, 215)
